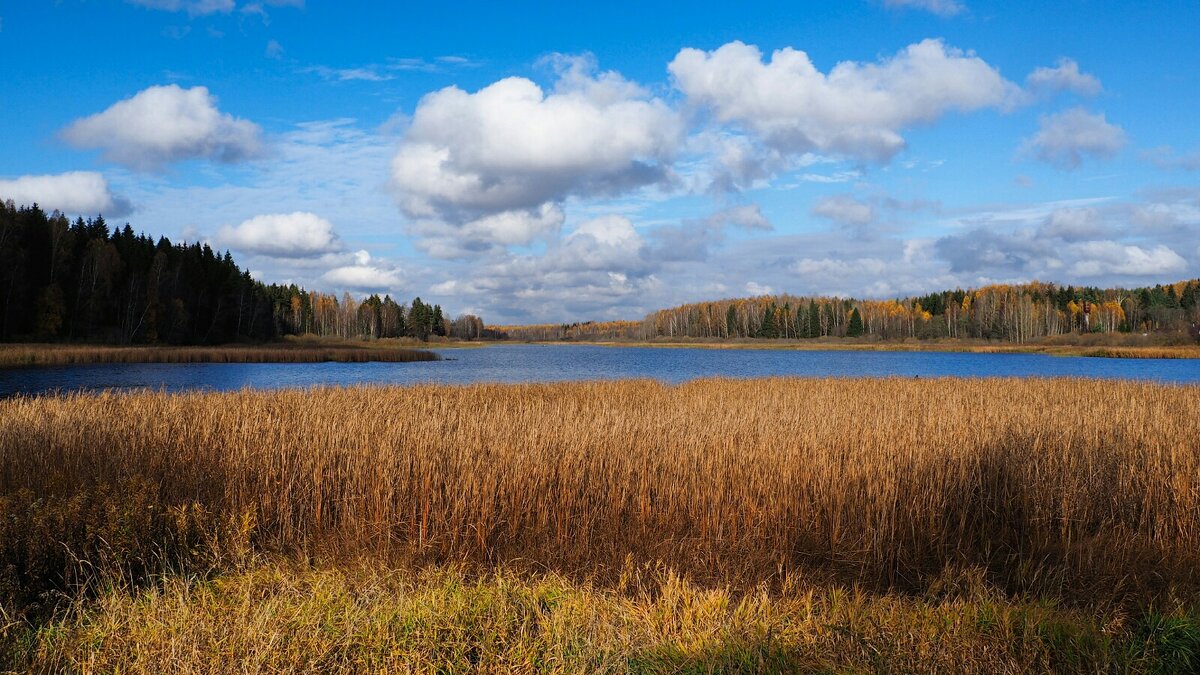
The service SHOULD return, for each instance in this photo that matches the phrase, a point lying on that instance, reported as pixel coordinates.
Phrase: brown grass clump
(287, 352)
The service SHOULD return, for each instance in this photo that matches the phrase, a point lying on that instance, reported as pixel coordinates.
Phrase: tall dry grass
(287, 352)
(1170, 352)
(1076, 488)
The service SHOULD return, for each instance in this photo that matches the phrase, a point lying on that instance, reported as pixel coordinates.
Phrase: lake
(547, 363)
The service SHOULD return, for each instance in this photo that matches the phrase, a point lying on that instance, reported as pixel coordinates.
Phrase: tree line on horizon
(1012, 313)
(63, 280)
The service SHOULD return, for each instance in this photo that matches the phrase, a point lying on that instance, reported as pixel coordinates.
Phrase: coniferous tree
(437, 321)
(855, 327)
(419, 319)
(767, 328)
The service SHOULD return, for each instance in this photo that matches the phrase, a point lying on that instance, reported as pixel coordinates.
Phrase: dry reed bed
(1176, 352)
(1076, 488)
(61, 355)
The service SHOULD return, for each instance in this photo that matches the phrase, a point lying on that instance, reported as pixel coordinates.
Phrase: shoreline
(1088, 351)
(26, 355)
(312, 350)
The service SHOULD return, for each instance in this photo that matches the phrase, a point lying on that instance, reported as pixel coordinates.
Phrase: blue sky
(543, 162)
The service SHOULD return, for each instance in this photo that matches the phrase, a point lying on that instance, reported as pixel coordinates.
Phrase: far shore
(1128, 351)
(311, 349)
(288, 351)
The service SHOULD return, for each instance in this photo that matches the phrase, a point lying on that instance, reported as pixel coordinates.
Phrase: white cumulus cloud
(364, 278)
(282, 235)
(163, 124)
(74, 192)
(604, 243)
(1064, 76)
(1099, 258)
(512, 148)
(1065, 139)
(857, 109)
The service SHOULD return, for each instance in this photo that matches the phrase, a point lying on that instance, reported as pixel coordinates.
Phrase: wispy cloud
(361, 74)
(383, 72)
(1165, 157)
(196, 8)
(944, 8)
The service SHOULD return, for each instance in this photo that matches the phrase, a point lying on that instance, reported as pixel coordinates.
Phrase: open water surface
(549, 363)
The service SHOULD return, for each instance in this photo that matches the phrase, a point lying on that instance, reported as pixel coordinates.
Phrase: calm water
(544, 363)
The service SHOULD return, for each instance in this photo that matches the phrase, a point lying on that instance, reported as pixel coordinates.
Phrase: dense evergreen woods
(81, 280)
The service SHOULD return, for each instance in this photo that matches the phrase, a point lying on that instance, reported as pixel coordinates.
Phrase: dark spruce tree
(768, 329)
(420, 319)
(855, 327)
(437, 321)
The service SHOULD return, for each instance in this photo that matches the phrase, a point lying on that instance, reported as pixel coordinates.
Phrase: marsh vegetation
(988, 525)
(295, 352)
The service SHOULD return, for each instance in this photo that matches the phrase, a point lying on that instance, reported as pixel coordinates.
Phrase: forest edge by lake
(317, 350)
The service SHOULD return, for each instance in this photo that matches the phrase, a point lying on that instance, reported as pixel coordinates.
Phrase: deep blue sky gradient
(65, 60)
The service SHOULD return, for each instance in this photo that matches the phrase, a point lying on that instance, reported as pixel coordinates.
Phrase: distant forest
(82, 281)
(1013, 313)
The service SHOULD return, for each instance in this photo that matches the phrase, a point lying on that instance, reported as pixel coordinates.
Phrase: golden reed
(1075, 485)
(62, 355)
